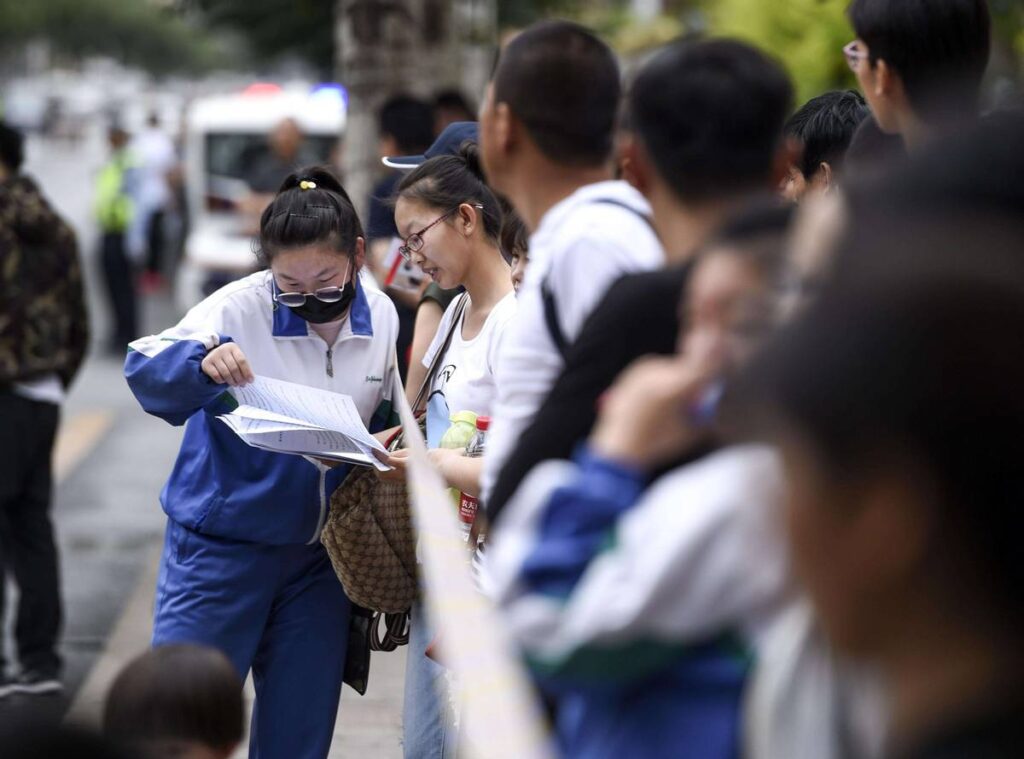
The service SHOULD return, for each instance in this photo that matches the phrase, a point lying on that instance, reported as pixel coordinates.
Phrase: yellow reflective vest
(114, 207)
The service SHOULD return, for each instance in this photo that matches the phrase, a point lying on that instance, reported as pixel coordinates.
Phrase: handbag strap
(421, 396)
(396, 631)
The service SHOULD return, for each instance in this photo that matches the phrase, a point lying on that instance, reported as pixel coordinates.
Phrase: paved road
(112, 460)
(111, 457)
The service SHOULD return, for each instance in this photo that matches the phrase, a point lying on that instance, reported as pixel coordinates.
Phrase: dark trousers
(27, 547)
(155, 242)
(118, 276)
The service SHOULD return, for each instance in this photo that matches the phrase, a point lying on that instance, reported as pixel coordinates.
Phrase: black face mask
(315, 311)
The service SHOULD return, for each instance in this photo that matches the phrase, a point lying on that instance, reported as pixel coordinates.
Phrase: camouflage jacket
(43, 322)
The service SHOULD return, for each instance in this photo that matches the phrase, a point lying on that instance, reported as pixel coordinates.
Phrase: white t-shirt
(581, 246)
(464, 380)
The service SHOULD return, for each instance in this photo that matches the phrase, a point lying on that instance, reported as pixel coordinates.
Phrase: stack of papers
(289, 418)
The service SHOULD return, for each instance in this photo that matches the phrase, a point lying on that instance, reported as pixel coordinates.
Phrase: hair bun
(322, 177)
(469, 152)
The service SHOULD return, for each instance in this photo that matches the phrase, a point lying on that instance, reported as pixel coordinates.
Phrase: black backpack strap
(551, 319)
(551, 307)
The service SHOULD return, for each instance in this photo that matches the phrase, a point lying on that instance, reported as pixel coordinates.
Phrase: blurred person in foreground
(546, 137)
(705, 120)
(642, 619)
(823, 126)
(44, 333)
(62, 741)
(919, 64)
(179, 701)
(902, 446)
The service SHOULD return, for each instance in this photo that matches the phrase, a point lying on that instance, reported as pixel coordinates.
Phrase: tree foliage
(134, 31)
(274, 29)
(807, 36)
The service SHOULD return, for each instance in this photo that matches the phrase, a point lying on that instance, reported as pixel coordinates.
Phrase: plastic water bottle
(468, 504)
(458, 437)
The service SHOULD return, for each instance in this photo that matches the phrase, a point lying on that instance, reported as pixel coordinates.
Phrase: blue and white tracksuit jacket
(639, 611)
(243, 569)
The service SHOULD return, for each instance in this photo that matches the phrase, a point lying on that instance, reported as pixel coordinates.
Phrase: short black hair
(12, 148)
(939, 48)
(825, 125)
(454, 100)
(410, 121)
(562, 83)
(513, 239)
(710, 114)
(176, 693)
(298, 217)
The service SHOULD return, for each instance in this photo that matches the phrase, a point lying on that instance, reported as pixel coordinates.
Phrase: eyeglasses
(854, 54)
(297, 300)
(414, 242)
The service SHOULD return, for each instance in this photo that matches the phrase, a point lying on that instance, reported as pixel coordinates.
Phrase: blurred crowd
(725, 388)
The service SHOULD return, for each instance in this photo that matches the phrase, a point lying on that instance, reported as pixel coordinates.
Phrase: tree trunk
(387, 47)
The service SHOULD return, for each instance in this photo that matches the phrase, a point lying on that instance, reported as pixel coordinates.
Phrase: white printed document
(289, 418)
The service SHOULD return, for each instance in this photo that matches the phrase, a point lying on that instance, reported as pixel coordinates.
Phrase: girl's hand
(399, 460)
(441, 458)
(227, 365)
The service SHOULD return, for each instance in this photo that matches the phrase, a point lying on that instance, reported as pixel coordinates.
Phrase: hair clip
(305, 184)
(301, 216)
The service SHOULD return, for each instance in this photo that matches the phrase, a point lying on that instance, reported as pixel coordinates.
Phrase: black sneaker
(35, 683)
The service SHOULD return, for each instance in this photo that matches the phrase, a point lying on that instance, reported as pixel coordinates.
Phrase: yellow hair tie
(305, 184)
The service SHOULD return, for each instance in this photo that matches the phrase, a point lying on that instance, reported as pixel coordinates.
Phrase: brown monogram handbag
(369, 533)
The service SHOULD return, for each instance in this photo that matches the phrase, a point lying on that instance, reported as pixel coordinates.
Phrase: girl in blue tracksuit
(243, 568)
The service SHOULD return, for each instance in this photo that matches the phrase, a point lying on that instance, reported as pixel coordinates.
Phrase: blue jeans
(427, 732)
(277, 609)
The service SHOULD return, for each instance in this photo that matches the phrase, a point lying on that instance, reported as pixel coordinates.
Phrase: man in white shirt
(154, 151)
(547, 129)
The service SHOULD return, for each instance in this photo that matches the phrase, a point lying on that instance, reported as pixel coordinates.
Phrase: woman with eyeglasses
(450, 221)
(243, 569)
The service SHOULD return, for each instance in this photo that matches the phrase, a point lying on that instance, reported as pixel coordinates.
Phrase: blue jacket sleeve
(165, 376)
(576, 523)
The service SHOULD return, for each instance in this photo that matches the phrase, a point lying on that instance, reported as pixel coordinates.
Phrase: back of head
(12, 148)
(825, 125)
(445, 182)
(915, 374)
(454, 101)
(48, 741)
(757, 232)
(961, 178)
(177, 694)
(939, 48)
(311, 208)
(710, 115)
(562, 83)
(409, 121)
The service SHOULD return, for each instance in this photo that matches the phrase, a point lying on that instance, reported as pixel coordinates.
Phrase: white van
(224, 136)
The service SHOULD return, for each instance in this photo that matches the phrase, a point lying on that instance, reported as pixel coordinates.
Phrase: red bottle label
(467, 514)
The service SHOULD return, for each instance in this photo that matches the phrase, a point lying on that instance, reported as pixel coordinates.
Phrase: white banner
(499, 716)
